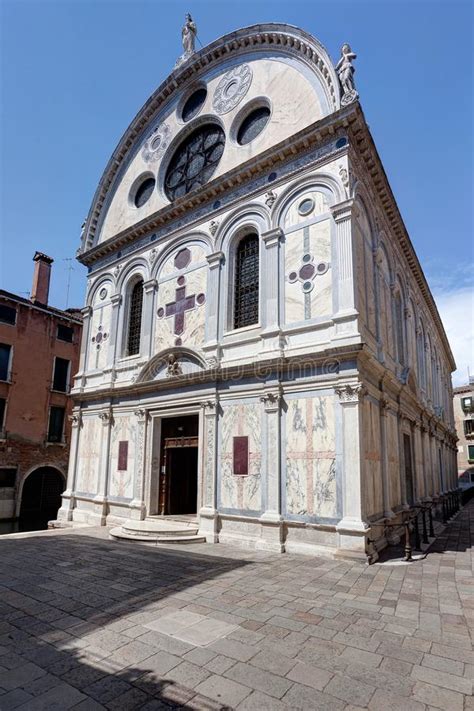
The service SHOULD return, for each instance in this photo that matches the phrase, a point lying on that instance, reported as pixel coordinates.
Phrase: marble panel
(241, 492)
(372, 467)
(319, 202)
(193, 334)
(310, 457)
(391, 429)
(89, 460)
(121, 482)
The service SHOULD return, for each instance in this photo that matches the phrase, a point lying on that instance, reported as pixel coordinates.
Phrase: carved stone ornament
(212, 362)
(351, 393)
(213, 227)
(157, 143)
(232, 88)
(270, 198)
(152, 256)
(345, 72)
(75, 419)
(106, 417)
(117, 271)
(141, 414)
(174, 367)
(345, 179)
(271, 401)
(210, 406)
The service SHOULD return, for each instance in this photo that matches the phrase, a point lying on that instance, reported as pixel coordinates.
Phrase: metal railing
(418, 521)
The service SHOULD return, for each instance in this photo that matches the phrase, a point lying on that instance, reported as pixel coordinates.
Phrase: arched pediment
(278, 66)
(172, 362)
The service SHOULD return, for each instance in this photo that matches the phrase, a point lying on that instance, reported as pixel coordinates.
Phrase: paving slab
(91, 624)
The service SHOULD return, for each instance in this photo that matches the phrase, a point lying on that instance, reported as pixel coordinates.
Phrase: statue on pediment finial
(345, 72)
(188, 34)
(188, 38)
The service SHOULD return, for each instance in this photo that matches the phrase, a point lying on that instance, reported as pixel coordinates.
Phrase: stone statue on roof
(188, 34)
(345, 72)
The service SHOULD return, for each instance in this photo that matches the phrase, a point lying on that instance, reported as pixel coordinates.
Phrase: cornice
(287, 39)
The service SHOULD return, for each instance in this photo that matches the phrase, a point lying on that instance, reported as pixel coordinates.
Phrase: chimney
(41, 277)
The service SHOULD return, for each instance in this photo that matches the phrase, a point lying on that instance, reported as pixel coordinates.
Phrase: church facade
(260, 345)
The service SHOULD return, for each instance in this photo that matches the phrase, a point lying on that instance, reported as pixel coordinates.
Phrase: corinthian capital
(354, 392)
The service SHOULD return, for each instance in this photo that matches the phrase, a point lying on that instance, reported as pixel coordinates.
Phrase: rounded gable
(276, 73)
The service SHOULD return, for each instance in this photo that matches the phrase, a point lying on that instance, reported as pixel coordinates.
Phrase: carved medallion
(232, 88)
(156, 143)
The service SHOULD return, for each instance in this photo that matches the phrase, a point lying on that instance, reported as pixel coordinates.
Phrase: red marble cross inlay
(179, 307)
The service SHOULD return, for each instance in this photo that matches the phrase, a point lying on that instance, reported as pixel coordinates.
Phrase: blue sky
(75, 72)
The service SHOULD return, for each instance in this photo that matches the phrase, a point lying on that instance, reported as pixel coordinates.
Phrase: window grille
(135, 319)
(194, 161)
(246, 282)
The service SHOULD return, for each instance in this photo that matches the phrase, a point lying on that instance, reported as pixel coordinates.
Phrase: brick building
(463, 403)
(39, 354)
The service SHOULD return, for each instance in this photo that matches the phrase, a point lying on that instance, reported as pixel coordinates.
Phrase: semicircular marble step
(164, 532)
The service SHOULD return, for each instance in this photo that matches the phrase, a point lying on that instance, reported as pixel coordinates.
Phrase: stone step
(155, 528)
(120, 533)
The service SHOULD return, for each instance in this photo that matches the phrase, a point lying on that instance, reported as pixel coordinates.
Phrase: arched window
(246, 282)
(399, 328)
(135, 319)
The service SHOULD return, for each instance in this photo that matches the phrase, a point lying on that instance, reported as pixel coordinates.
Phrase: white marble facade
(347, 354)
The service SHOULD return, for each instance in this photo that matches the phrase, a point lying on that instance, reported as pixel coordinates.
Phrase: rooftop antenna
(70, 269)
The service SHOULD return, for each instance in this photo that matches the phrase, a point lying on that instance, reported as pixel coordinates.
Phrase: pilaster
(86, 326)
(353, 527)
(215, 262)
(137, 505)
(386, 488)
(100, 500)
(342, 215)
(150, 288)
(116, 301)
(68, 502)
(208, 512)
(271, 293)
(272, 520)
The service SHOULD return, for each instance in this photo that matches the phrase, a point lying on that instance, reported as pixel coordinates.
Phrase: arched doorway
(40, 498)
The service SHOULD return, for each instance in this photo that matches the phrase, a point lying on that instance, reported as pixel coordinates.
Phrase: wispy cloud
(456, 308)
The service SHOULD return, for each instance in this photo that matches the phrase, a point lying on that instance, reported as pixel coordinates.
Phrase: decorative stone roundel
(156, 143)
(232, 88)
(182, 258)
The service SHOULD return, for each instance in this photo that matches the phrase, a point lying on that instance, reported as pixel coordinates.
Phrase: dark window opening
(61, 371)
(56, 424)
(468, 427)
(135, 319)
(194, 161)
(5, 351)
(3, 406)
(246, 282)
(193, 104)
(253, 125)
(470, 452)
(7, 314)
(7, 477)
(144, 192)
(65, 333)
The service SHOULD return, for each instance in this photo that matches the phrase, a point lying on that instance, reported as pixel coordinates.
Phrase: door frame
(152, 482)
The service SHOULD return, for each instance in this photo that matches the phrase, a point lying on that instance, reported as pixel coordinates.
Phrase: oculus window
(194, 104)
(246, 282)
(194, 161)
(144, 192)
(253, 125)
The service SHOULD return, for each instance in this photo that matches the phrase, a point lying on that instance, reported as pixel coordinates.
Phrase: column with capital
(68, 502)
(150, 288)
(208, 510)
(271, 294)
(353, 527)
(271, 519)
(100, 500)
(346, 304)
(211, 346)
(137, 505)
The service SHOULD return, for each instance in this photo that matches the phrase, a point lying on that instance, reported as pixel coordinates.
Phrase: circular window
(253, 125)
(144, 192)
(306, 206)
(194, 161)
(194, 104)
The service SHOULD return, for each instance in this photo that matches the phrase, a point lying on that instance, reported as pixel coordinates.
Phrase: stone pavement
(89, 623)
